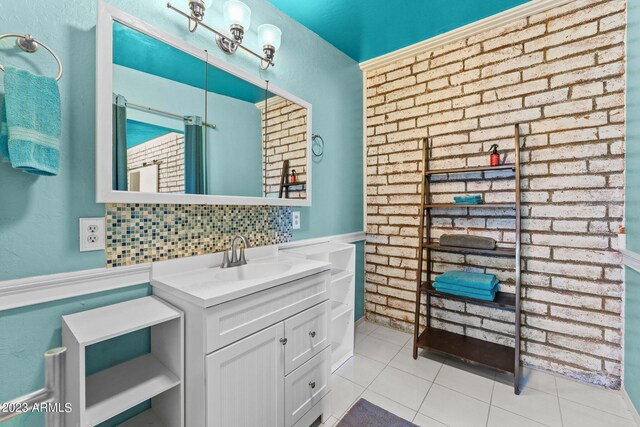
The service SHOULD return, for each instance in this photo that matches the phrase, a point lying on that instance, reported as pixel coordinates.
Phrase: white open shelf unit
(157, 375)
(342, 257)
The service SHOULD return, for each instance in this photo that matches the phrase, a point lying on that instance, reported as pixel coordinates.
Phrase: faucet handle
(225, 260)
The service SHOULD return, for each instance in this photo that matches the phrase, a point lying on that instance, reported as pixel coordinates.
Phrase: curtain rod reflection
(164, 113)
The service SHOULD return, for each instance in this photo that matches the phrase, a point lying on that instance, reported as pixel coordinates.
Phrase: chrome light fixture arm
(227, 44)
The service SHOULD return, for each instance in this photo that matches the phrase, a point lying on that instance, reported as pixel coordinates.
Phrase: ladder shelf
(468, 349)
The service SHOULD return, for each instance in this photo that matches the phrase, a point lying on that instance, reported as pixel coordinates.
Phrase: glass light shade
(236, 13)
(269, 35)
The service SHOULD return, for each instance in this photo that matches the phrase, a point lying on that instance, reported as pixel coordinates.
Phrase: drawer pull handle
(283, 341)
(312, 384)
(312, 334)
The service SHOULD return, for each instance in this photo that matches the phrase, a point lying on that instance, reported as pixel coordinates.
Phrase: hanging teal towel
(468, 279)
(32, 106)
(466, 292)
(4, 133)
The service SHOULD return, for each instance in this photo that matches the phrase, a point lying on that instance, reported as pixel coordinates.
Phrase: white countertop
(194, 279)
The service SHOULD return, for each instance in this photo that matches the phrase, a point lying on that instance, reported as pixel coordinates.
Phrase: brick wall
(286, 130)
(560, 74)
(166, 150)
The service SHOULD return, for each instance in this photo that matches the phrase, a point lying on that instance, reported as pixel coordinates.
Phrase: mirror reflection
(183, 126)
(285, 148)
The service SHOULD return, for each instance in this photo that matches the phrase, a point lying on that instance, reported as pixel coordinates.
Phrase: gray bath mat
(365, 413)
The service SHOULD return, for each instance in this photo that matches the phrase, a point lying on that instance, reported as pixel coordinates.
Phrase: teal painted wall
(39, 216)
(359, 305)
(632, 336)
(632, 206)
(26, 333)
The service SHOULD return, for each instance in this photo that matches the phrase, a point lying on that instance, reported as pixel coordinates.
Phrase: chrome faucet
(235, 260)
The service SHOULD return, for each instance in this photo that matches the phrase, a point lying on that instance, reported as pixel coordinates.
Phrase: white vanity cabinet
(261, 360)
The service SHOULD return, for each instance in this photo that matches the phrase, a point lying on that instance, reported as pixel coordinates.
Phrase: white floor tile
(531, 378)
(377, 349)
(597, 398)
(389, 405)
(500, 418)
(343, 394)
(422, 367)
(366, 327)
(361, 370)
(465, 382)
(391, 335)
(454, 409)
(359, 337)
(531, 403)
(401, 387)
(576, 415)
(424, 421)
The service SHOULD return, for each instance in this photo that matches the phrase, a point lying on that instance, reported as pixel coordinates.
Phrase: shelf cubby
(157, 375)
(342, 257)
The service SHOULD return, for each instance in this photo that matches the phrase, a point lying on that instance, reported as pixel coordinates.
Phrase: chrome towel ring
(30, 45)
(317, 145)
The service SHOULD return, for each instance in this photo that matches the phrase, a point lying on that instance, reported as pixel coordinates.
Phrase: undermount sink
(252, 271)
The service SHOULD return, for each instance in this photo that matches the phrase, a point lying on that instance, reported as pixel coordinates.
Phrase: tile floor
(434, 391)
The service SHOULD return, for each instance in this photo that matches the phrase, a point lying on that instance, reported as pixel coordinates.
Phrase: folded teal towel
(490, 296)
(4, 133)
(446, 287)
(468, 279)
(32, 105)
(468, 200)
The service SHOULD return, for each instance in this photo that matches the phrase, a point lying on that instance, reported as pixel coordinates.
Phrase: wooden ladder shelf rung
(468, 349)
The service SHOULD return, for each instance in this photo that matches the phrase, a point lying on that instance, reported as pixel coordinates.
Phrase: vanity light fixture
(237, 16)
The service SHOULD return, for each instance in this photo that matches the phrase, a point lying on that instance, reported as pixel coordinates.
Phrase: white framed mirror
(177, 125)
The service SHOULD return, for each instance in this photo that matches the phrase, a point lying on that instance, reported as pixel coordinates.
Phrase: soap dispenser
(494, 157)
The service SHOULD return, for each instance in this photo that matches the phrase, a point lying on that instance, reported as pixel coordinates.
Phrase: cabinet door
(307, 335)
(245, 382)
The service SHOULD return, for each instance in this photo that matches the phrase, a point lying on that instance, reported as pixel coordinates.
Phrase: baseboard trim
(631, 259)
(632, 407)
(40, 289)
(357, 236)
(490, 22)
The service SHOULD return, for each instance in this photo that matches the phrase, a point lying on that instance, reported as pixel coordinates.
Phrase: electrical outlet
(92, 234)
(295, 220)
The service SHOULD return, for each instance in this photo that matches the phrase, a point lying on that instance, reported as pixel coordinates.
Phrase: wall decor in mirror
(177, 125)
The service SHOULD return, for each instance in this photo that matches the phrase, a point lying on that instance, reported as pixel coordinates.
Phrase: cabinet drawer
(233, 320)
(307, 334)
(305, 386)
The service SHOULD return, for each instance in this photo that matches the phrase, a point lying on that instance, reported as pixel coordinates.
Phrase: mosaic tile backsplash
(139, 233)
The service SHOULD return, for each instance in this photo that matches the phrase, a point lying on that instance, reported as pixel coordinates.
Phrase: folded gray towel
(466, 241)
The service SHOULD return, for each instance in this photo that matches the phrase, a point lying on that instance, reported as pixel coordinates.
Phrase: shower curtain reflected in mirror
(119, 154)
(194, 156)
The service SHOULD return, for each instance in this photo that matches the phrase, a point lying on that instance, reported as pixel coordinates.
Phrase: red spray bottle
(494, 157)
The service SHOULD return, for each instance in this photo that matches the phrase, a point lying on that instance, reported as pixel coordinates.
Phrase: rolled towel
(468, 279)
(468, 200)
(466, 241)
(487, 296)
(32, 105)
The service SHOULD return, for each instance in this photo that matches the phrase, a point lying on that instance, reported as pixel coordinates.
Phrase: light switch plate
(92, 234)
(295, 220)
